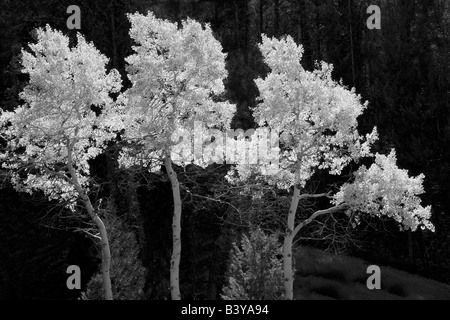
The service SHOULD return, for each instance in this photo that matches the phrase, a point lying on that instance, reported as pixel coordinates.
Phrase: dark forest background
(403, 70)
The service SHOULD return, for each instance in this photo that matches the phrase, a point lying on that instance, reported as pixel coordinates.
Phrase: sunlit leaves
(65, 82)
(317, 118)
(177, 77)
(384, 189)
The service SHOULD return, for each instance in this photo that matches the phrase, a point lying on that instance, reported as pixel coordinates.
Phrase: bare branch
(320, 195)
(317, 214)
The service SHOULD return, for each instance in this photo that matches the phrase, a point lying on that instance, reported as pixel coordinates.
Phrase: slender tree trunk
(291, 232)
(276, 24)
(287, 247)
(351, 41)
(261, 17)
(106, 254)
(216, 15)
(113, 36)
(176, 231)
(247, 31)
(212, 283)
(213, 269)
(299, 23)
(318, 37)
(410, 246)
(177, 10)
(236, 24)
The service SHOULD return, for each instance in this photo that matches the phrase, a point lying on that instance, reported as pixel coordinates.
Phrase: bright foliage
(177, 76)
(57, 115)
(385, 190)
(317, 118)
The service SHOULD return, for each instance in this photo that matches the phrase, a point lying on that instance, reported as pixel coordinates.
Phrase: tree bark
(299, 23)
(113, 36)
(291, 232)
(247, 31)
(287, 247)
(211, 293)
(318, 37)
(276, 24)
(236, 25)
(106, 254)
(176, 231)
(261, 17)
(350, 21)
(410, 246)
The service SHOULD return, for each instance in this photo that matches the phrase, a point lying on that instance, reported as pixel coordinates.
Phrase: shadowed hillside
(323, 276)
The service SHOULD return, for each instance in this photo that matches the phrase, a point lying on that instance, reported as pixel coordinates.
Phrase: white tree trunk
(287, 247)
(176, 231)
(106, 258)
(106, 254)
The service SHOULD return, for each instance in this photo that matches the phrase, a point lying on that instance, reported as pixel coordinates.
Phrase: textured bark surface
(176, 232)
(287, 247)
(106, 254)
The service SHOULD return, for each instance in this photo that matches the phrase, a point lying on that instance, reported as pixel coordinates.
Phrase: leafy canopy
(317, 118)
(315, 115)
(385, 190)
(57, 116)
(177, 76)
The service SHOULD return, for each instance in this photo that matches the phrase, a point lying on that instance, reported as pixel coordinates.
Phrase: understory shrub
(255, 271)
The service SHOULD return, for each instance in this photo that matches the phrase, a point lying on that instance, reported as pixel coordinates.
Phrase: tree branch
(317, 214)
(321, 195)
